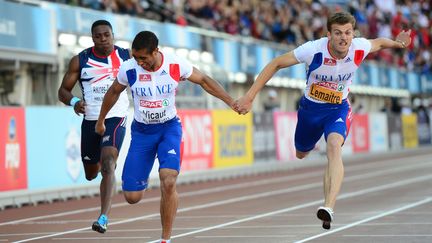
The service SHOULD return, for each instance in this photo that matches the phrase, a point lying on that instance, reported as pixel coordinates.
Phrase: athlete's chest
(96, 69)
(154, 84)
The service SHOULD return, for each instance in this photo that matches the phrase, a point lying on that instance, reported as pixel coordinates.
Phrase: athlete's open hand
(79, 107)
(243, 105)
(100, 127)
(404, 37)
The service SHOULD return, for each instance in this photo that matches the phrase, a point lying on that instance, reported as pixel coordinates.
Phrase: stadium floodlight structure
(65, 39)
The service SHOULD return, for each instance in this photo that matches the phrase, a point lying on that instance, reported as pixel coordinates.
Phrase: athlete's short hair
(145, 40)
(100, 22)
(340, 18)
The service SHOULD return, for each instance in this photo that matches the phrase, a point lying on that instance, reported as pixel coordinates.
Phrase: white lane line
(243, 236)
(412, 205)
(265, 194)
(305, 205)
(368, 235)
(104, 238)
(351, 168)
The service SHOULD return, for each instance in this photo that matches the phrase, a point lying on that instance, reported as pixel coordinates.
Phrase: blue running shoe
(101, 224)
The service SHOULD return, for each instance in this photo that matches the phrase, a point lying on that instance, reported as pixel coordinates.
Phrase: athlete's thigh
(338, 121)
(309, 129)
(115, 130)
(90, 143)
(139, 161)
(169, 149)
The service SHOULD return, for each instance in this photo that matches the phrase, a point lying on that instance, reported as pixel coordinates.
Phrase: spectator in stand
(291, 21)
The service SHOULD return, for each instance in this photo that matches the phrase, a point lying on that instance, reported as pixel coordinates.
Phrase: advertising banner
(285, 124)
(263, 137)
(409, 130)
(54, 145)
(21, 28)
(378, 132)
(197, 139)
(232, 139)
(360, 133)
(394, 123)
(423, 120)
(13, 159)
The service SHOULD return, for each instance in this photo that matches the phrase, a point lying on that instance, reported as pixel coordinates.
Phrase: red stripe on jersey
(358, 57)
(174, 71)
(93, 64)
(115, 62)
(99, 79)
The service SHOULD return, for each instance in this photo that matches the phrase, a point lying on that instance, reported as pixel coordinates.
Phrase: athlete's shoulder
(361, 43)
(85, 53)
(169, 56)
(130, 64)
(123, 52)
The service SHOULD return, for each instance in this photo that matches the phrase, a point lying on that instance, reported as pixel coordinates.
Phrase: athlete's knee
(133, 197)
(108, 166)
(168, 183)
(91, 171)
(335, 142)
(301, 155)
(91, 176)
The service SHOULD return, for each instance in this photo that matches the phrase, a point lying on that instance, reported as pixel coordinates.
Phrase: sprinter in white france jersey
(154, 92)
(153, 77)
(324, 108)
(328, 78)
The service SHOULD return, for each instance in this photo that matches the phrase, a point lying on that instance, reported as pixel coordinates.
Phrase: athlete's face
(340, 38)
(103, 39)
(147, 60)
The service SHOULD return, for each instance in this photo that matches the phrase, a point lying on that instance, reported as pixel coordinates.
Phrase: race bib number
(324, 94)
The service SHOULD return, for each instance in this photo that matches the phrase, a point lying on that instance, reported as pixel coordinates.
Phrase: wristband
(74, 100)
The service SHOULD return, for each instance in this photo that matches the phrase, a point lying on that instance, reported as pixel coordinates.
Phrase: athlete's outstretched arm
(110, 98)
(69, 80)
(211, 86)
(244, 104)
(402, 40)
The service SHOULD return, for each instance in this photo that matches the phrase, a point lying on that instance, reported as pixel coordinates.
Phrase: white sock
(165, 241)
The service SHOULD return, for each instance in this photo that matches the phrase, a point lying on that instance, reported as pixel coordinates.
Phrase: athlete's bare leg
(169, 200)
(107, 186)
(335, 170)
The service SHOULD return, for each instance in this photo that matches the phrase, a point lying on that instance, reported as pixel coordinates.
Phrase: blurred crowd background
(292, 22)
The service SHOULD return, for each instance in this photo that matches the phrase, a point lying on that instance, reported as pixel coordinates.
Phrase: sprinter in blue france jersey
(153, 76)
(324, 109)
(96, 68)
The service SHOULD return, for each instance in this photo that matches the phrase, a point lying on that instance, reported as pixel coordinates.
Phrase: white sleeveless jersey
(328, 79)
(154, 92)
(96, 76)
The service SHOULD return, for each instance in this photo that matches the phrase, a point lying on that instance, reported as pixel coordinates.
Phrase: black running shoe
(326, 215)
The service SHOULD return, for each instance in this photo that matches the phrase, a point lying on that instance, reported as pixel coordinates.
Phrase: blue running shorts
(91, 142)
(149, 140)
(316, 119)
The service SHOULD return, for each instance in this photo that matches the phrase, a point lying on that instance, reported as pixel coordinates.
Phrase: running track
(384, 198)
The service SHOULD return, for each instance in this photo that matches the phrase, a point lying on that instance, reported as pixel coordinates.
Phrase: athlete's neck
(103, 52)
(336, 54)
(158, 62)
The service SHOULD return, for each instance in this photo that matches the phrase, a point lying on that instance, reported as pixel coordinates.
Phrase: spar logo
(154, 104)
